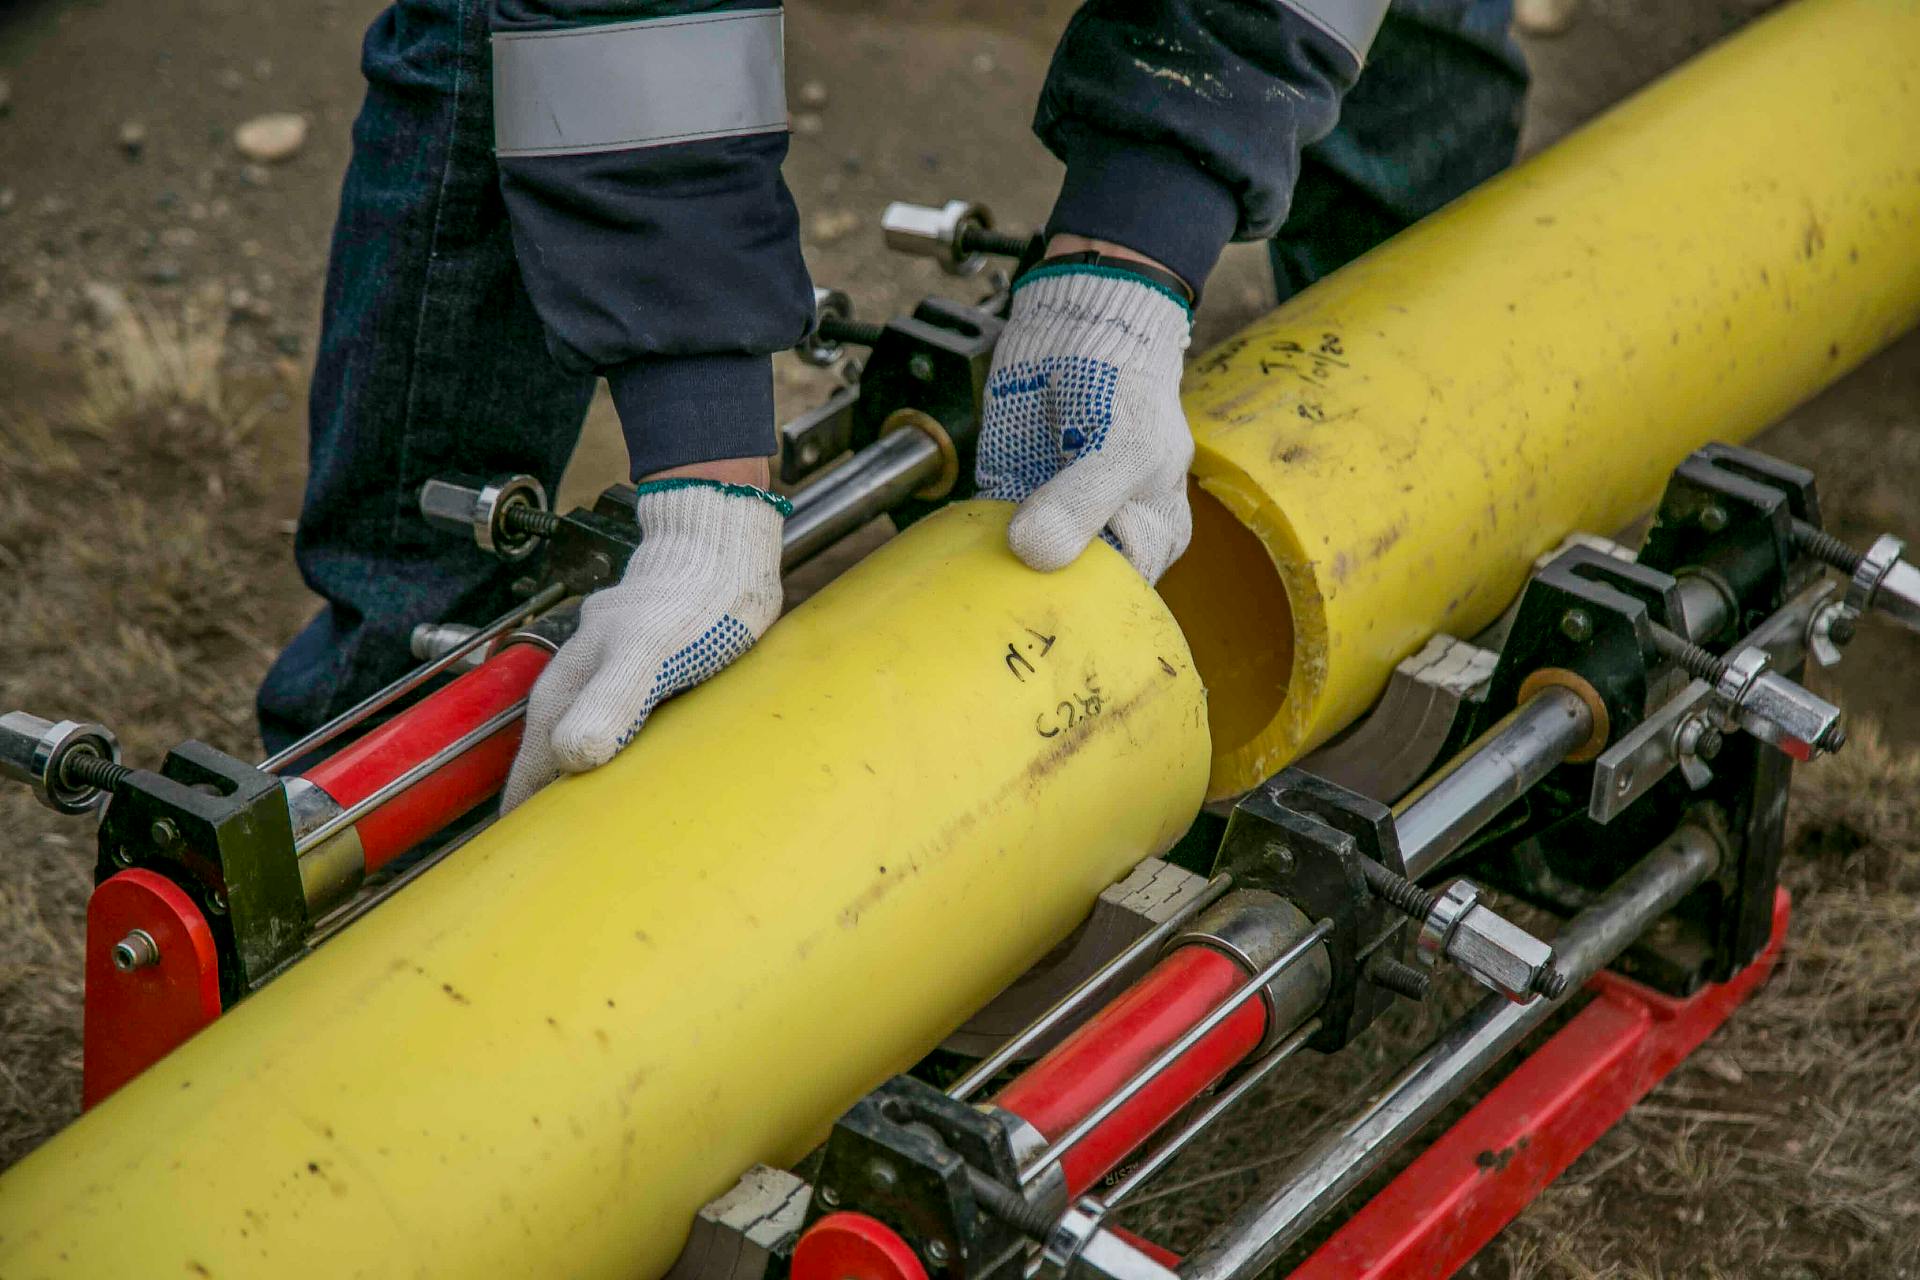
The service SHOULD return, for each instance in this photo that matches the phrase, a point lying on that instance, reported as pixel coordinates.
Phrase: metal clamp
(1494, 951)
(1886, 581)
(1681, 733)
(1776, 710)
(495, 511)
(817, 348)
(43, 753)
(1080, 1249)
(1829, 630)
(927, 232)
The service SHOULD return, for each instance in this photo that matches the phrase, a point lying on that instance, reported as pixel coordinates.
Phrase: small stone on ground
(270, 139)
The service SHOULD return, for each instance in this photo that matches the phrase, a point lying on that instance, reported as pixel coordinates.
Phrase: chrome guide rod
(871, 483)
(1163, 1154)
(1445, 810)
(1175, 1051)
(406, 684)
(984, 1070)
(445, 755)
(1255, 1237)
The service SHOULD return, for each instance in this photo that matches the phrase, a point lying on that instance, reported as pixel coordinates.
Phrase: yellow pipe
(1404, 438)
(544, 1057)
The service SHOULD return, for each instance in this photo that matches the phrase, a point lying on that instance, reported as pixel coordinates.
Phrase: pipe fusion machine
(1406, 704)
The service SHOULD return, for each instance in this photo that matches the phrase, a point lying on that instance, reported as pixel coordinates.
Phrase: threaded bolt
(83, 768)
(840, 329)
(1697, 661)
(137, 950)
(978, 239)
(1400, 893)
(1826, 548)
(520, 518)
(1551, 982)
(1010, 1207)
(1398, 977)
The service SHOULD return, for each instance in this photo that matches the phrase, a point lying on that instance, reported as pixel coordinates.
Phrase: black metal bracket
(1304, 838)
(1592, 614)
(589, 546)
(935, 361)
(906, 1155)
(221, 829)
(1727, 516)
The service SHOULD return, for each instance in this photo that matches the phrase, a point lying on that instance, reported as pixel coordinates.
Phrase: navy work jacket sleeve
(639, 145)
(1181, 121)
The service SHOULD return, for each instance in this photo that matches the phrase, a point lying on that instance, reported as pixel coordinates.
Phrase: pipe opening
(1233, 607)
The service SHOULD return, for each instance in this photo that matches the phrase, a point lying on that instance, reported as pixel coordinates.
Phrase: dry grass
(134, 543)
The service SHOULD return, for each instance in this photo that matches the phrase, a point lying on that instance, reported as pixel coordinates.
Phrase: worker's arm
(639, 144)
(1181, 124)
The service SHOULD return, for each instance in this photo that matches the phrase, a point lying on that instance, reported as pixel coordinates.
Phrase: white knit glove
(1083, 425)
(700, 589)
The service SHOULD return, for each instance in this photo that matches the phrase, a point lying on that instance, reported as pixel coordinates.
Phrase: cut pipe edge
(1382, 458)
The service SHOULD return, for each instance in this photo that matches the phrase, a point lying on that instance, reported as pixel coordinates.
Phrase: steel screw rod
(87, 769)
(533, 521)
(987, 1068)
(1255, 1237)
(444, 756)
(863, 333)
(406, 684)
(1247, 990)
(1826, 548)
(1163, 1154)
(872, 482)
(1443, 812)
(1694, 660)
(977, 239)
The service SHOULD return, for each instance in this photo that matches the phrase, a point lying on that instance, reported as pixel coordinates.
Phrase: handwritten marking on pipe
(1040, 646)
(1071, 710)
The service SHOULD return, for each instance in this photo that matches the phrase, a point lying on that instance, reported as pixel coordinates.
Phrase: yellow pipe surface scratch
(1405, 437)
(545, 1056)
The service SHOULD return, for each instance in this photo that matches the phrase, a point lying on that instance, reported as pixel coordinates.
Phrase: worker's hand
(700, 589)
(1083, 425)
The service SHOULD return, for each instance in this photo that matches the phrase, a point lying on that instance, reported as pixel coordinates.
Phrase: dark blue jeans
(432, 361)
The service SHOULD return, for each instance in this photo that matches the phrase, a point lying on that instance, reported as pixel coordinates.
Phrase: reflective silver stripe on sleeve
(1354, 23)
(638, 84)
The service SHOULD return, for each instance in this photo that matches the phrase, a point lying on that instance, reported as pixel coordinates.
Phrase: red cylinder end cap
(852, 1246)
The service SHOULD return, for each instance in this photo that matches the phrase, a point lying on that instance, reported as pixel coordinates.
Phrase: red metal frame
(428, 806)
(1483, 1171)
(1092, 1064)
(132, 1020)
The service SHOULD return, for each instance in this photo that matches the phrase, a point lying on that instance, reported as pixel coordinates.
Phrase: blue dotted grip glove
(703, 585)
(1083, 424)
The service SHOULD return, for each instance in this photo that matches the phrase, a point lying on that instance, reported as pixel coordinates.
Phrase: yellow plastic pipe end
(1383, 458)
(543, 1058)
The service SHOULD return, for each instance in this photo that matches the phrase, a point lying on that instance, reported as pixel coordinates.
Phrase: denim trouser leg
(1435, 113)
(431, 360)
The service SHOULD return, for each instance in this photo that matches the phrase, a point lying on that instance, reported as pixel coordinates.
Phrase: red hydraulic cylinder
(1092, 1064)
(448, 793)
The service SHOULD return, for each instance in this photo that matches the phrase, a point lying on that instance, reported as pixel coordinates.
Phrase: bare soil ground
(150, 456)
